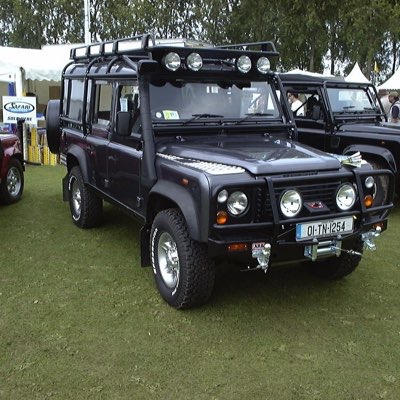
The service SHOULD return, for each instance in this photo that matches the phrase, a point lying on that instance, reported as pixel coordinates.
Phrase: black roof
(308, 78)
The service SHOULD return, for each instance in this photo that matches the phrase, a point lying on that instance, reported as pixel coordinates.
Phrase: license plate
(329, 227)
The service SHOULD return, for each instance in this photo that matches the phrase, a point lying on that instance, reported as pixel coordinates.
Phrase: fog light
(346, 196)
(172, 61)
(194, 61)
(263, 65)
(243, 64)
(222, 217)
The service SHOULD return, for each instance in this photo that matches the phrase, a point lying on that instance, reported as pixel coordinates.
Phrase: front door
(124, 152)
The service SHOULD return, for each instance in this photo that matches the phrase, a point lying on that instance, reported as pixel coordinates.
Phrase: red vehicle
(11, 169)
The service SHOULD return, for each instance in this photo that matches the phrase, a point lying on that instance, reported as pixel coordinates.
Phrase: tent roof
(356, 75)
(45, 64)
(393, 83)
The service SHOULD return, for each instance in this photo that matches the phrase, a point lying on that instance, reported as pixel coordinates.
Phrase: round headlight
(243, 64)
(194, 61)
(222, 196)
(369, 182)
(172, 61)
(291, 203)
(263, 65)
(237, 203)
(346, 196)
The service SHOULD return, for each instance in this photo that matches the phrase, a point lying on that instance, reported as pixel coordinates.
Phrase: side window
(75, 105)
(128, 100)
(102, 103)
(65, 97)
(312, 105)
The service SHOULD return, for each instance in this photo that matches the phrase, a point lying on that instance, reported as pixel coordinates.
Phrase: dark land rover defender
(343, 117)
(194, 142)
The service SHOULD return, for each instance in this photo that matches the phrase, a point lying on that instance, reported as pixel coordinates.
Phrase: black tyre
(335, 268)
(381, 182)
(86, 208)
(12, 186)
(53, 131)
(183, 272)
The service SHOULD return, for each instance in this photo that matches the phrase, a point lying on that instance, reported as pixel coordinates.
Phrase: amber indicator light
(368, 201)
(185, 181)
(222, 217)
(237, 247)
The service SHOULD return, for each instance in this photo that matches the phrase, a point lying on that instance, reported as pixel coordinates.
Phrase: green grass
(80, 319)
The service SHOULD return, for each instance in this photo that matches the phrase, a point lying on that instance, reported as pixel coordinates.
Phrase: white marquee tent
(29, 67)
(33, 70)
(356, 75)
(393, 83)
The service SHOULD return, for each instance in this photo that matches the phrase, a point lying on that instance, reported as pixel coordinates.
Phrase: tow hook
(262, 252)
(368, 238)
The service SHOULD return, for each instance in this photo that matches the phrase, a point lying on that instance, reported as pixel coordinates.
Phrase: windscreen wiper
(198, 116)
(249, 115)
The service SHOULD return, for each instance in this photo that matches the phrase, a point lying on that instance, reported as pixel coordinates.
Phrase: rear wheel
(182, 270)
(335, 268)
(12, 186)
(86, 208)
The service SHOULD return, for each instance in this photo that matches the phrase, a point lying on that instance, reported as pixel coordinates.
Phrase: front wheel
(335, 268)
(182, 270)
(12, 186)
(86, 208)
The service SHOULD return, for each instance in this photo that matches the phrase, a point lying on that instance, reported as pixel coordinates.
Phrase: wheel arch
(77, 156)
(166, 195)
(375, 152)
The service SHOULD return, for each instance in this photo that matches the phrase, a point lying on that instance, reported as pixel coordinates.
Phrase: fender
(182, 198)
(79, 154)
(377, 152)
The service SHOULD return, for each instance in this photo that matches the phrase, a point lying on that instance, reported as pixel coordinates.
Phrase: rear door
(99, 128)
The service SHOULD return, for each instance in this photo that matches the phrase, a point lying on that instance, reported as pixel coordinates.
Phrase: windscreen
(178, 100)
(351, 100)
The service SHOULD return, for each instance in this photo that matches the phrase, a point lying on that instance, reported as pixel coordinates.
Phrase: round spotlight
(369, 182)
(243, 64)
(263, 65)
(346, 196)
(222, 196)
(194, 61)
(291, 203)
(237, 203)
(172, 61)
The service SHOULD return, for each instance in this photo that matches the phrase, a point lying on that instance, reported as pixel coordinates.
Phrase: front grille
(324, 192)
(318, 190)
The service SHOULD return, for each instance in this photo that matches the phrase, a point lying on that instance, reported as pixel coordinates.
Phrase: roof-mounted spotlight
(194, 61)
(243, 64)
(263, 65)
(172, 61)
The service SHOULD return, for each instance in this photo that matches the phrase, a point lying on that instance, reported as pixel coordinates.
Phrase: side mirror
(124, 123)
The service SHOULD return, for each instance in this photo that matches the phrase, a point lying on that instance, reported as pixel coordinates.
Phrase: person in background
(395, 108)
(295, 104)
(384, 98)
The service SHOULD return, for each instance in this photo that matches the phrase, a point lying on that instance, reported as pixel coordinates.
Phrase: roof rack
(132, 45)
(266, 47)
(141, 45)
